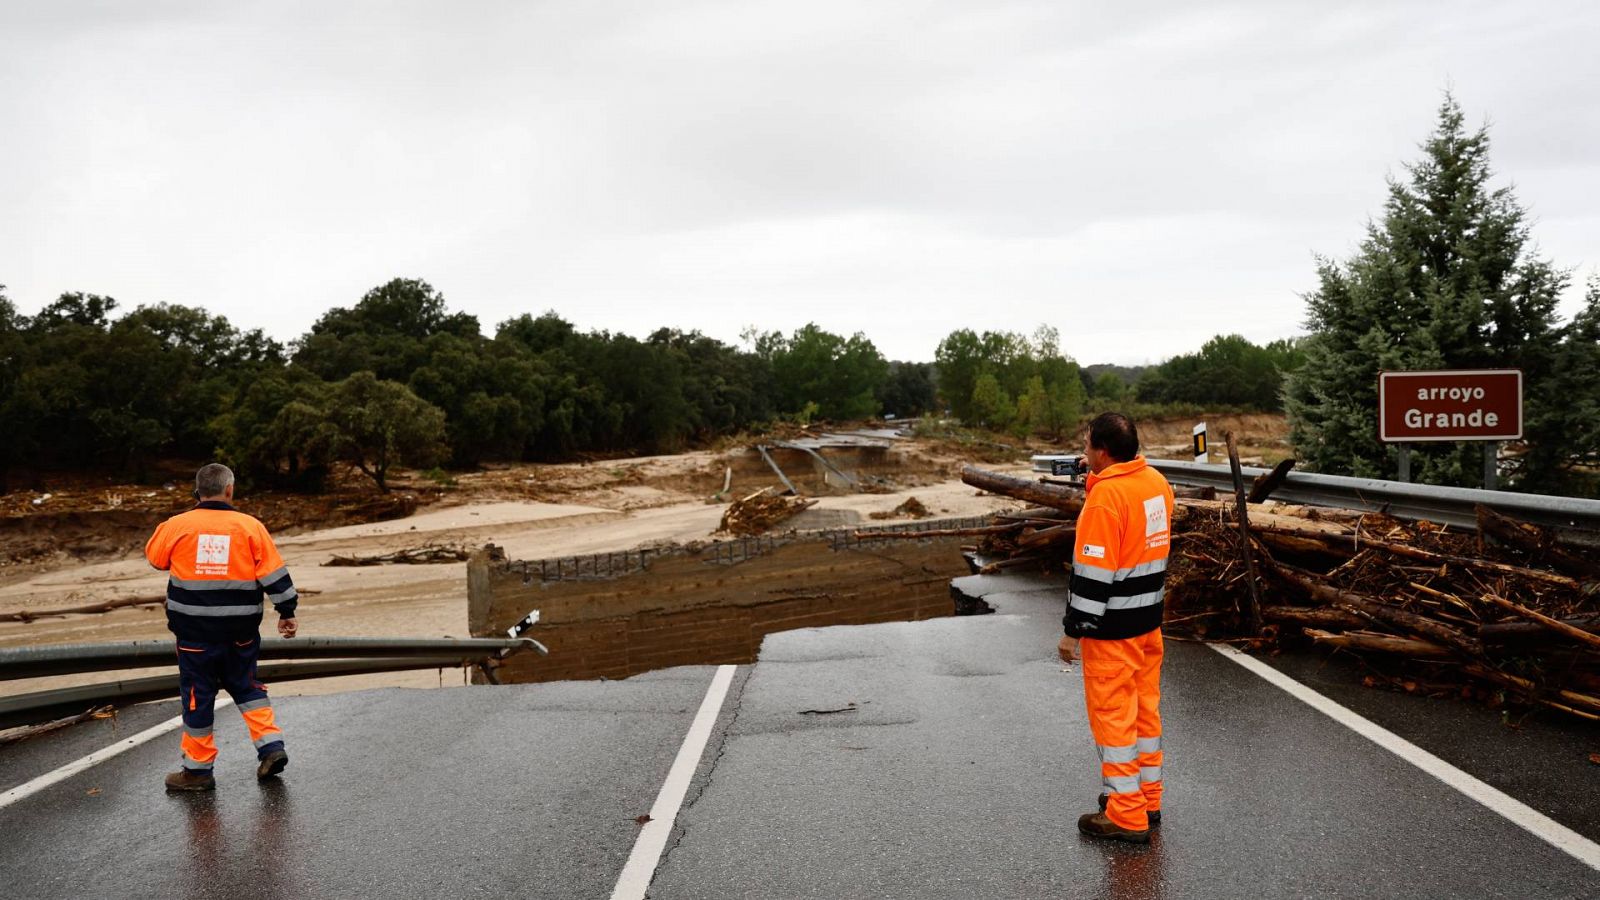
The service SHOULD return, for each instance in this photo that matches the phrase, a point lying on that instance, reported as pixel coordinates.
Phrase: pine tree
(1567, 409)
(1447, 279)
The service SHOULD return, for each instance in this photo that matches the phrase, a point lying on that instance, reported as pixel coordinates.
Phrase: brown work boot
(271, 765)
(1097, 825)
(191, 780)
(1154, 815)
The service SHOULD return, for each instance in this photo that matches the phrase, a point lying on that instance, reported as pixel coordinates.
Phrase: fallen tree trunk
(1503, 632)
(1556, 626)
(1381, 643)
(1320, 617)
(1052, 495)
(1047, 536)
(28, 615)
(939, 532)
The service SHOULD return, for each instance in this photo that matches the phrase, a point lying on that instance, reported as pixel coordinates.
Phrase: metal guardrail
(316, 657)
(1577, 518)
(72, 659)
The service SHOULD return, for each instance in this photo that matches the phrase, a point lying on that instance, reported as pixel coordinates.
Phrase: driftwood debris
(429, 554)
(13, 735)
(1505, 615)
(1264, 485)
(760, 512)
(28, 615)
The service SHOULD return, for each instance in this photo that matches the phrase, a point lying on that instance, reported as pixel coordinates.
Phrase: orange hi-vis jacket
(222, 564)
(1119, 566)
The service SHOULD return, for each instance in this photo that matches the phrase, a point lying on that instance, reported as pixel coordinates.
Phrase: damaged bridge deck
(944, 758)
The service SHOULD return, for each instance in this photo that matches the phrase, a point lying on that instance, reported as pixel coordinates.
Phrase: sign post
(1201, 452)
(1455, 405)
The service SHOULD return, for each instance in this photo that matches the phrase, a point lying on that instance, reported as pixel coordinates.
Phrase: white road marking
(1515, 811)
(29, 788)
(652, 840)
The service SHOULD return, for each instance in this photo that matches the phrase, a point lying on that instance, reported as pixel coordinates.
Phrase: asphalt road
(947, 758)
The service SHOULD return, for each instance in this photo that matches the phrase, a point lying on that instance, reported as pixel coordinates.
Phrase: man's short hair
(1113, 433)
(212, 480)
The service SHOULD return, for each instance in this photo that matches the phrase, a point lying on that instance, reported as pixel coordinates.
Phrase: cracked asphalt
(946, 758)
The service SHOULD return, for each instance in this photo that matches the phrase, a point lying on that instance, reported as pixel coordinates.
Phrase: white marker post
(1202, 452)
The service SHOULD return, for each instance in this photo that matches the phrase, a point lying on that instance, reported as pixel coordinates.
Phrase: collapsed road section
(618, 614)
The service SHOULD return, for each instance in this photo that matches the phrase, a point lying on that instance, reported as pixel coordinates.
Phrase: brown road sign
(1458, 405)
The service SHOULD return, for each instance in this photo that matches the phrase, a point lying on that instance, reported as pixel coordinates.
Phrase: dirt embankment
(1262, 438)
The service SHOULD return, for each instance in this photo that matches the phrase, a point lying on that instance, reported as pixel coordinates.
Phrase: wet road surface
(947, 758)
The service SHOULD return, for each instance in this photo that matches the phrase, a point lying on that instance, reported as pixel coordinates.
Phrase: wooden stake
(1254, 611)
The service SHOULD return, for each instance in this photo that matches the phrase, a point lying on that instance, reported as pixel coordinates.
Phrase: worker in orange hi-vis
(1113, 623)
(222, 565)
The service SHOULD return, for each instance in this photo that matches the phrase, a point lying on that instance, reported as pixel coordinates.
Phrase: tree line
(399, 378)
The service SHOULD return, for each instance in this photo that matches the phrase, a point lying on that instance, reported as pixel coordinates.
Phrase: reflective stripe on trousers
(1122, 690)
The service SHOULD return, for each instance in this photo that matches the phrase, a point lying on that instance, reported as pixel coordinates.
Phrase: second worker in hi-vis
(221, 565)
(1113, 623)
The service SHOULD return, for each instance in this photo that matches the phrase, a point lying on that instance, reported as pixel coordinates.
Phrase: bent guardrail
(301, 658)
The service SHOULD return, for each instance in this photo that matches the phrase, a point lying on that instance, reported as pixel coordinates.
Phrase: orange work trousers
(1122, 690)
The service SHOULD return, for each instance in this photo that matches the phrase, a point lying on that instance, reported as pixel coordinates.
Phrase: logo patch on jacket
(211, 554)
(1093, 552)
(1155, 516)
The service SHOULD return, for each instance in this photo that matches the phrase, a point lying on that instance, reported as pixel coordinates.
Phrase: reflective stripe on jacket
(1119, 566)
(222, 564)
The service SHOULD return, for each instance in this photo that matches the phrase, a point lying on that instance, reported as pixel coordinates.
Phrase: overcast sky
(1139, 175)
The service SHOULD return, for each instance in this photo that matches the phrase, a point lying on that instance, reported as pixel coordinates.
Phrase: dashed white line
(1515, 811)
(29, 788)
(652, 840)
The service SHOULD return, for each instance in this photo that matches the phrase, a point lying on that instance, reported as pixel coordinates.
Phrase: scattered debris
(427, 554)
(13, 735)
(760, 512)
(641, 820)
(912, 508)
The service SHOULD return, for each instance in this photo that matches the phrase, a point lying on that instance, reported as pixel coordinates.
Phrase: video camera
(1071, 467)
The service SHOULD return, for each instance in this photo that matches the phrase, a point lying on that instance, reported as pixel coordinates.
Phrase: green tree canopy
(841, 376)
(1228, 370)
(375, 424)
(1009, 381)
(910, 390)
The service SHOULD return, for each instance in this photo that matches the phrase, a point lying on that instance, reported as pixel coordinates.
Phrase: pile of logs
(1506, 613)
